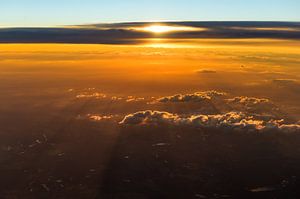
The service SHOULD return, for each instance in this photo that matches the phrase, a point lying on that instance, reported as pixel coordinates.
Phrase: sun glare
(159, 29)
(165, 28)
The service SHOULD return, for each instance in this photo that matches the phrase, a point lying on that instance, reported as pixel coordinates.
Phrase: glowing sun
(165, 28)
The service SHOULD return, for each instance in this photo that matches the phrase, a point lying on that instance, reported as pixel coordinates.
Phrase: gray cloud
(253, 105)
(289, 85)
(284, 81)
(206, 71)
(124, 33)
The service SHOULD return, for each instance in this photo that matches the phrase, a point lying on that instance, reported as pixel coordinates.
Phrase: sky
(73, 12)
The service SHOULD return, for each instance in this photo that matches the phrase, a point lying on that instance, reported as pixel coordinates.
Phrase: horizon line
(147, 21)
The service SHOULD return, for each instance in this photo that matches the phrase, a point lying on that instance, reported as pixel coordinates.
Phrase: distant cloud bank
(129, 33)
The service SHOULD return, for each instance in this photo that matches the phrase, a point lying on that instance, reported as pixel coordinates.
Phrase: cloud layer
(247, 114)
(253, 105)
(233, 121)
(128, 33)
(212, 102)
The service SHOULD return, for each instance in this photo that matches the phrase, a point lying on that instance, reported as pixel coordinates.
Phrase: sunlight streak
(165, 28)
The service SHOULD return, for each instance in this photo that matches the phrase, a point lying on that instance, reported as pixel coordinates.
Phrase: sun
(159, 28)
(165, 28)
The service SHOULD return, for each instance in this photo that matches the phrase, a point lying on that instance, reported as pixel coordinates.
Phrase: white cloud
(236, 121)
(134, 99)
(288, 128)
(115, 98)
(195, 97)
(212, 102)
(96, 117)
(150, 117)
(99, 117)
(95, 95)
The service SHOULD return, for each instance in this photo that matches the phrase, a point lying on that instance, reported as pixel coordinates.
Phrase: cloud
(284, 81)
(99, 117)
(288, 128)
(253, 105)
(233, 121)
(215, 102)
(150, 117)
(195, 97)
(116, 98)
(134, 99)
(289, 85)
(95, 95)
(206, 71)
(212, 102)
(127, 33)
(96, 117)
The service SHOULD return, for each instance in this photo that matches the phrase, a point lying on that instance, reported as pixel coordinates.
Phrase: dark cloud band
(125, 33)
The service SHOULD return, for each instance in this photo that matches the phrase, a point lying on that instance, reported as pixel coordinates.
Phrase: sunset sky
(67, 12)
(149, 99)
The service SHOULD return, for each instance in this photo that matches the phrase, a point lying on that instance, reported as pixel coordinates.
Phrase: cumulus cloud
(99, 117)
(134, 99)
(150, 117)
(195, 97)
(214, 102)
(96, 117)
(95, 95)
(236, 121)
(253, 105)
(115, 98)
(223, 103)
